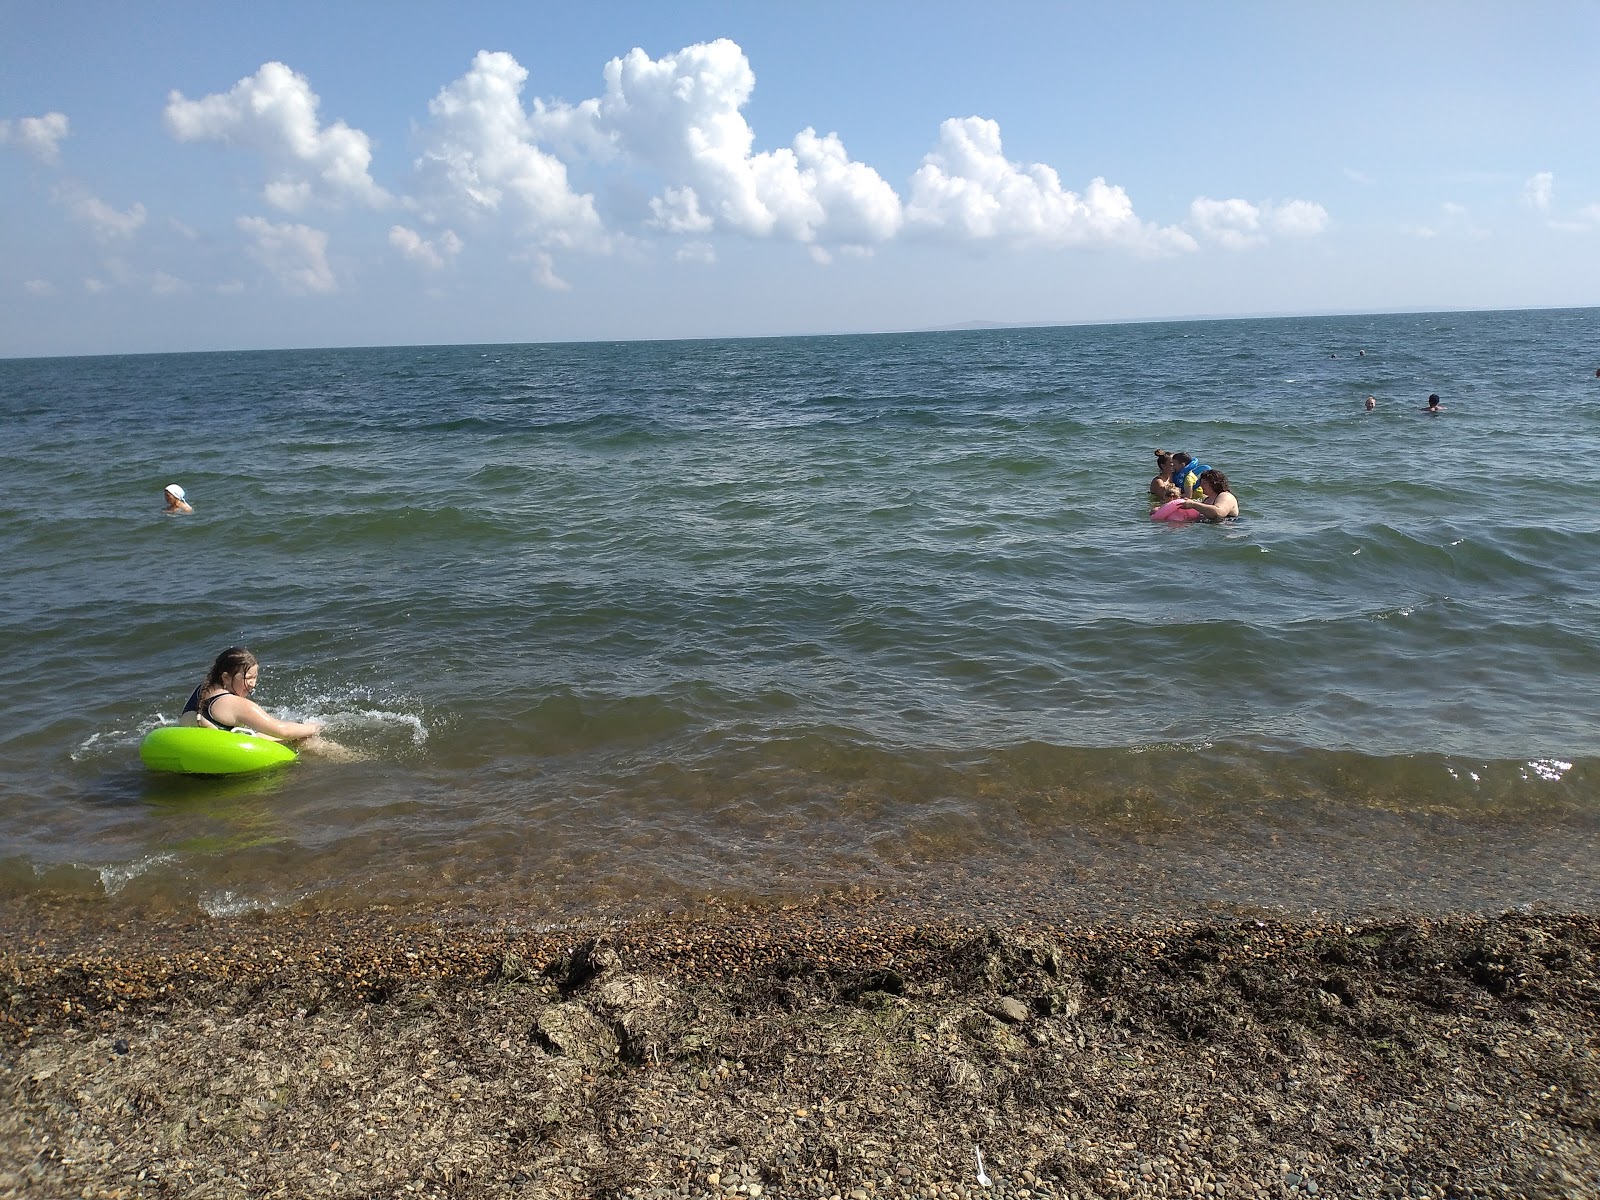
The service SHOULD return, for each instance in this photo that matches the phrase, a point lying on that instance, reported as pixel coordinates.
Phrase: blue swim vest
(1188, 479)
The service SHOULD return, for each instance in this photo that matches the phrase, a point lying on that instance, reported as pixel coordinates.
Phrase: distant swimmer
(1162, 487)
(1220, 503)
(175, 501)
(1433, 404)
(223, 701)
(1372, 403)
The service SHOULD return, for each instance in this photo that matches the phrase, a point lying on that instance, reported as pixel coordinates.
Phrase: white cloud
(39, 136)
(968, 189)
(105, 222)
(274, 112)
(1238, 224)
(1539, 191)
(39, 287)
(232, 288)
(433, 255)
(1582, 221)
(680, 117)
(1234, 224)
(544, 273)
(696, 252)
(1358, 176)
(480, 152)
(162, 284)
(1455, 221)
(96, 287)
(1295, 218)
(296, 255)
(677, 210)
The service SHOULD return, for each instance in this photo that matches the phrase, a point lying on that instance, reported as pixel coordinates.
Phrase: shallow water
(632, 624)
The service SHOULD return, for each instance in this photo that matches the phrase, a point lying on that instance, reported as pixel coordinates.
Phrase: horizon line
(978, 326)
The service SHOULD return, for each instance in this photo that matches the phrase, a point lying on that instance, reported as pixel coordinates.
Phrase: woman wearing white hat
(175, 501)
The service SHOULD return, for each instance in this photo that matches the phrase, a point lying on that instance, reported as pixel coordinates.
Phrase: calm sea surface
(642, 625)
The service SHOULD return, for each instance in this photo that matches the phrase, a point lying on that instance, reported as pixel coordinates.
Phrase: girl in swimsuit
(223, 701)
(1162, 487)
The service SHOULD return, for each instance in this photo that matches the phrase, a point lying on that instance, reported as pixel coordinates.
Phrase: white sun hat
(173, 489)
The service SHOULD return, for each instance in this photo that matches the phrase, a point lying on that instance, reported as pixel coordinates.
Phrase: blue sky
(193, 176)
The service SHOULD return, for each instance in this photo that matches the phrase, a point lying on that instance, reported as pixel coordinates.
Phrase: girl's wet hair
(1217, 480)
(235, 660)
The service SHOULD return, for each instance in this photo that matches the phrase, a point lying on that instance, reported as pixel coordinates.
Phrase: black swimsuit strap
(205, 711)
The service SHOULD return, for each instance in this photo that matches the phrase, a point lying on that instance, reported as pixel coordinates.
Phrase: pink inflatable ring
(1172, 510)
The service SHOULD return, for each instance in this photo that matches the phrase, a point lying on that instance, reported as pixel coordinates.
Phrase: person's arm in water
(1223, 507)
(247, 712)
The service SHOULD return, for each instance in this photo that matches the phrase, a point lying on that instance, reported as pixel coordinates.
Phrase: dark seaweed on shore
(810, 1052)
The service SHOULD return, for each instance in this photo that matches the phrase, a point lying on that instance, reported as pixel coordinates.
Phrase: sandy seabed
(833, 1048)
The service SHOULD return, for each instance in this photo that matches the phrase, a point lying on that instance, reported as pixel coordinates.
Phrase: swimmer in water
(1372, 403)
(223, 701)
(1219, 503)
(1162, 487)
(1186, 475)
(1433, 404)
(173, 494)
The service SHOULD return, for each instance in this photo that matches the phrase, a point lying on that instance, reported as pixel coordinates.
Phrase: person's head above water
(1433, 400)
(174, 491)
(1372, 403)
(1214, 481)
(234, 668)
(1180, 459)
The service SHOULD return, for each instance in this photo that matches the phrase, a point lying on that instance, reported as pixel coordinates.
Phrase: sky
(209, 175)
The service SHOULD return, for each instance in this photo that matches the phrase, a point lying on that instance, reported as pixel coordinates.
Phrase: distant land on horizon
(1257, 316)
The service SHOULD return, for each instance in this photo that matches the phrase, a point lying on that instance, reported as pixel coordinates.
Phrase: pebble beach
(833, 1048)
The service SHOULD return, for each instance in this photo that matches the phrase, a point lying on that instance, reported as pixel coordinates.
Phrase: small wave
(371, 718)
(1549, 769)
(1390, 613)
(109, 741)
(228, 903)
(1199, 747)
(116, 876)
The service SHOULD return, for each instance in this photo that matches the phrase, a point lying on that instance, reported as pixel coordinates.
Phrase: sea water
(625, 626)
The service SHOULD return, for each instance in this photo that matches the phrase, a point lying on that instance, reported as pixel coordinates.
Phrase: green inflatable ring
(191, 750)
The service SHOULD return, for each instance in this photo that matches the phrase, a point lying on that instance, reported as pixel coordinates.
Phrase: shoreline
(827, 1048)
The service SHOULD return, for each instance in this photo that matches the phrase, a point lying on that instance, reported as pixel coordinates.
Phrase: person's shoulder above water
(1220, 504)
(222, 701)
(1162, 487)
(173, 494)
